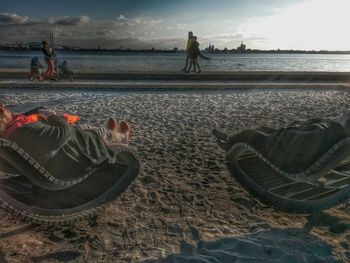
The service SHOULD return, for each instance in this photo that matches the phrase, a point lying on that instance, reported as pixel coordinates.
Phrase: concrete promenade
(11, 78)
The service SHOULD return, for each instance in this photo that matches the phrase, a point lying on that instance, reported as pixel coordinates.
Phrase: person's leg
(31, 76)
(220, 135)
(187, 61)
(53, 72)
(199, 68)
(50, 68)
(40, 77)
(48, 64)
(108, 136)
(194, 65)
(37, 75)
(248, 136)
(189, 68)
(251, 137)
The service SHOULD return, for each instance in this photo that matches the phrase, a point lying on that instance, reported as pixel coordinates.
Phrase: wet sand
(185, 195)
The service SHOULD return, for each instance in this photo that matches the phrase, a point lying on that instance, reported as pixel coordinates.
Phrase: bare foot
(112, 124)
(125, 128)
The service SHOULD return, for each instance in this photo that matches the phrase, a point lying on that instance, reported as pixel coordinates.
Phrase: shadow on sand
(17, 231)
(274, 245)
(2, 257)
(326, 220)
(61, 256)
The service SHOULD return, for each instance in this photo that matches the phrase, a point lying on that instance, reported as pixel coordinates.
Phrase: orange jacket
(19, 120)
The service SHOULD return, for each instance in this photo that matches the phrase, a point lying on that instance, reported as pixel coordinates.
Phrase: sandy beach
(185, 206)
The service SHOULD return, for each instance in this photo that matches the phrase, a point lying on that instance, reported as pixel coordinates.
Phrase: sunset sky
(263, 24)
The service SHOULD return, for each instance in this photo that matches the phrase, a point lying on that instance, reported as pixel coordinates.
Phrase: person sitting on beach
(60, 147)
(194, 53)
(188, 48)
(35, 69)
(300, 144)
(49, 59)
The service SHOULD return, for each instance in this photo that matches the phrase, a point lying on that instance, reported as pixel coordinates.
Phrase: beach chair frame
(294, 193)
(56, 201)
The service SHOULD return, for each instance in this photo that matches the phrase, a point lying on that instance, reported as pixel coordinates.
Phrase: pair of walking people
(193, 52)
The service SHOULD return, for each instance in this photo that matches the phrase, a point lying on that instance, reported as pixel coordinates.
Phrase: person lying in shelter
(114, 133)
(62, 148)
(295, 147)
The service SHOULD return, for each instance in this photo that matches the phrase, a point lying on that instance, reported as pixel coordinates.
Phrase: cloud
(16, 20)
(72, 21)
(123, 21)
(121, 18)
(8, 18)
(133, 32)
(314, 24)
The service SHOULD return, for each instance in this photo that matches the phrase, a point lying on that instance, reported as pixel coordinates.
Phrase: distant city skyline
(273, 24)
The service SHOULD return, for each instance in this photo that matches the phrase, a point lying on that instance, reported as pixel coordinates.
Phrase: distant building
(34, 45)
(241, 48)
(210, 49)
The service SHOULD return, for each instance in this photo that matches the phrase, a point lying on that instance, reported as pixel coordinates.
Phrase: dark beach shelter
(30, 193)
(325, 183)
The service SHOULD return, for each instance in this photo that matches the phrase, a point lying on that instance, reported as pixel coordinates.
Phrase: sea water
(125, 62)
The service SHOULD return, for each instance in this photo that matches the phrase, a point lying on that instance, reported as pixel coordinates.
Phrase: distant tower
(241, 48)
(211, 48)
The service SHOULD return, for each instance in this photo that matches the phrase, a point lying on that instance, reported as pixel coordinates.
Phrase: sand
(185, 205)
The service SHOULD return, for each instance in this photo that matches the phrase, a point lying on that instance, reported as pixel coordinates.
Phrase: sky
(163, 24)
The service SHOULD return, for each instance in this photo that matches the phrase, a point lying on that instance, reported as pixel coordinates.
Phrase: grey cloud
(16, 20)
(257, 38)
(72, 21)
(131, 32)
(123, 21)
(8, 18)
(224, 37)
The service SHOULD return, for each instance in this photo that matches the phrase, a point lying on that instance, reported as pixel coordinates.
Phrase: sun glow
(315, 24)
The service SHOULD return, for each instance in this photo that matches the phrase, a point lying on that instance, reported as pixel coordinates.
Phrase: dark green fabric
(64, 150)
(295, 148)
